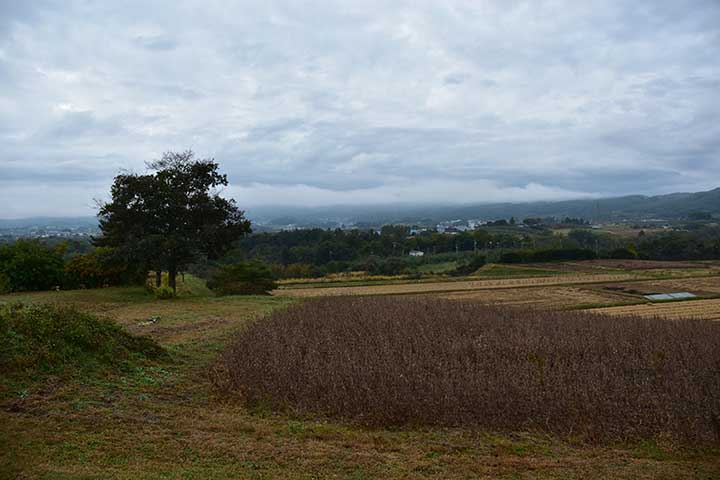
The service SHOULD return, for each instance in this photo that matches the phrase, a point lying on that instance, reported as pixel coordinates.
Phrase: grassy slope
(163, 421)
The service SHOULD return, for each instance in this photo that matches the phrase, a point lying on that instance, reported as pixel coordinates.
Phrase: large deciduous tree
(168, 218)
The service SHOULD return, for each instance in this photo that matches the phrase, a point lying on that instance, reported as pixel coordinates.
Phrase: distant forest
(316, 252)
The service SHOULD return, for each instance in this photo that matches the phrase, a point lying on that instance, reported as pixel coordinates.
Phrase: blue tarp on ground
(670, 296)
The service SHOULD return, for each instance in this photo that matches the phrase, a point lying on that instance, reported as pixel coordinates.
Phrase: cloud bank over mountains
(310, 103)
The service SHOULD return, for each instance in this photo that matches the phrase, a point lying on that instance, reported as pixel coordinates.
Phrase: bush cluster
(394, 361)
(163, 292)
(547, 255)
(469, 265)
(244, 278)
(28, 265)
(97, 268)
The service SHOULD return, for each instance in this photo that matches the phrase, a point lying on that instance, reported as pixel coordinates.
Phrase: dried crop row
(701, 309)
(419, 288)
(541, 297)
(695, 285)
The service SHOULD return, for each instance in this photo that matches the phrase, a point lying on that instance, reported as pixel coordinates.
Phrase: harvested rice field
(467, 285)
(698, 286)
(708, 309)
(555, 298)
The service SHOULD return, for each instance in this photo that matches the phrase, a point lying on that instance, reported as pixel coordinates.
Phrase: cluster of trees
(27, 265)
(34, 265)
(30, 265)
(316, 252)
(698, 244)
(320, 247)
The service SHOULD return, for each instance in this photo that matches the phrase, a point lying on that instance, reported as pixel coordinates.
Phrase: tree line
(173, 219)
(255, 259)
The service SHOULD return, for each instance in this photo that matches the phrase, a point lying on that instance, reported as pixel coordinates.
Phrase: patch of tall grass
(38, 339)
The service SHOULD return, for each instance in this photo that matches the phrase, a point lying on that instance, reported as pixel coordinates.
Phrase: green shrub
(164, 293)
(547, 255)
(4, 284)
(511, 257)
(45, 338)
(31, 265)
(94, 269)
(251, 278)
(469, 265)
(622, 254)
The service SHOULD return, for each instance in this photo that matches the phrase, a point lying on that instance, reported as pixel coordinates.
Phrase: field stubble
(454, 286)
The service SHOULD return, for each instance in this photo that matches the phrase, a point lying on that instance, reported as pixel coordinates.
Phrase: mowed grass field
(166, 419)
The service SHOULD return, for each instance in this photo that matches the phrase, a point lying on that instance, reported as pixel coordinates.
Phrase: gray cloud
(156, 42)
(368, 102)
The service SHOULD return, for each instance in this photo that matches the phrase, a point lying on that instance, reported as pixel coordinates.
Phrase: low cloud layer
(310, 103)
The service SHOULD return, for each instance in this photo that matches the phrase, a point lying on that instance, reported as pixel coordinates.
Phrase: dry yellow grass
(550, 298)
(342, 277)
(707, 309)
(466, 285)
(700, 285)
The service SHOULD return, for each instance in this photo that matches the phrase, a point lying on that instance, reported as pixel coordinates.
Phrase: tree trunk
(172, 277)
(158, 278)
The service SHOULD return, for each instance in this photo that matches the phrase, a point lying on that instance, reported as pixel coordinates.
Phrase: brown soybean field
(391, 361)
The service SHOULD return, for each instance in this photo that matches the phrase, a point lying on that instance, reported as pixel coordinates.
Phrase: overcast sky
(360, 102)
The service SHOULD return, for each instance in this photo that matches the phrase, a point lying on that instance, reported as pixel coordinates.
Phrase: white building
(416, 253)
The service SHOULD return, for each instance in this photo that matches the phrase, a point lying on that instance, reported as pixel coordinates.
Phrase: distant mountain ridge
(671, 206)
(61, 222)
(631, 207)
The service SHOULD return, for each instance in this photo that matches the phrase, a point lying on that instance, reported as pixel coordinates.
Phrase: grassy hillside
(51, 339)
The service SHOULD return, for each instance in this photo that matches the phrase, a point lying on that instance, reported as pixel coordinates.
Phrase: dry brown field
(467, 285)
(644, 264)
(601, 265)
(545, 298)
(698, 286)
(708, 309)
